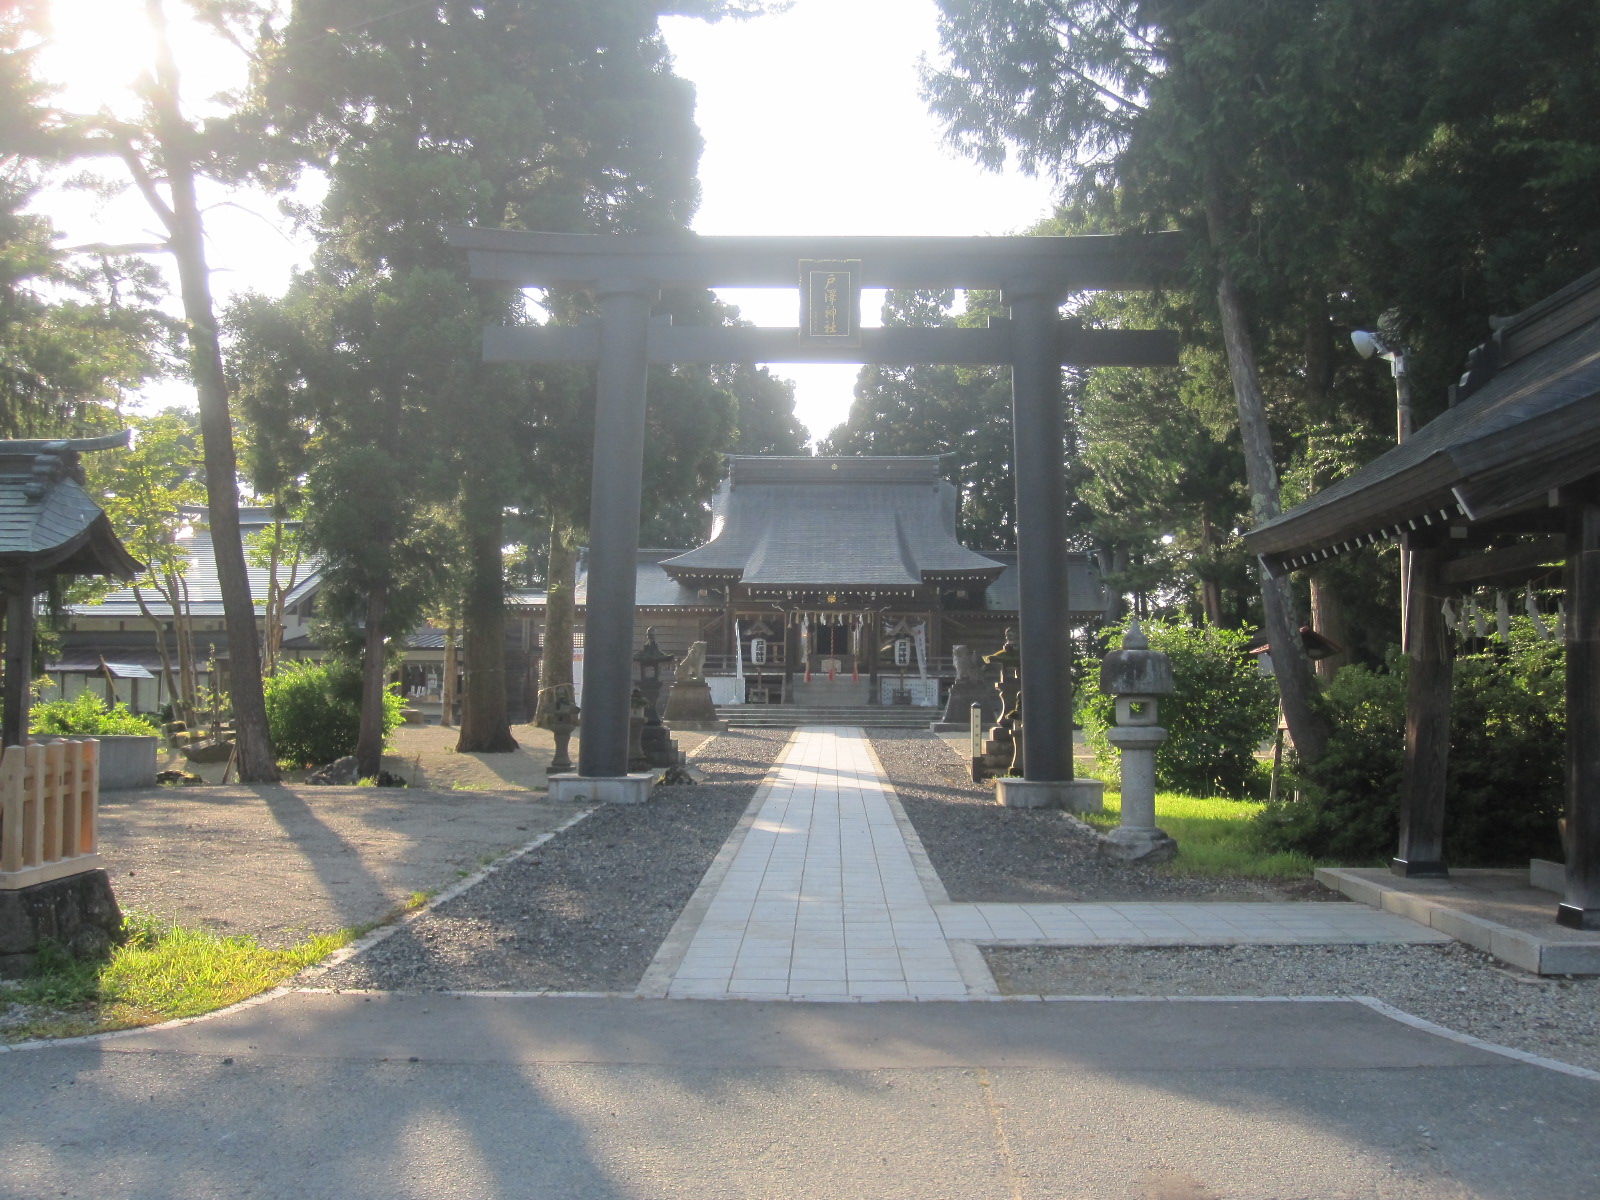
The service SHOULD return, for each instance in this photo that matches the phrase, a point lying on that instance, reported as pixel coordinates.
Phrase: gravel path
(1452, 985)
(986, 853)
(587, 910)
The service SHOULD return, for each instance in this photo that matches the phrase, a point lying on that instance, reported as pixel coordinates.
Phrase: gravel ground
(986, 853)
(1452, 985)
(588, 909)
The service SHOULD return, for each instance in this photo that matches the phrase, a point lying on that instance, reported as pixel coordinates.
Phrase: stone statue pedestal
(689, 706)
(964, 693)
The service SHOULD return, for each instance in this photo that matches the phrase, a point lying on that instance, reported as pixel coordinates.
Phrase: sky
(812, 124)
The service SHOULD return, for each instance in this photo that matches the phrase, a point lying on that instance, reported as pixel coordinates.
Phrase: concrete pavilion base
(1074, 795)
(602, 789)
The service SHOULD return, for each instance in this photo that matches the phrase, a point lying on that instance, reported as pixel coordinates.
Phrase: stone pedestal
(612, 789)
(689, 706)
(78, 912)
(964, 693)
(1074, 795)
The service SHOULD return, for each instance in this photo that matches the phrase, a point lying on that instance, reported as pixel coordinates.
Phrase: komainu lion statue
(692, 666)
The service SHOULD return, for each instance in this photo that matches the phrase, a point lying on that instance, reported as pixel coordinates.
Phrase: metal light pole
(1367, 344)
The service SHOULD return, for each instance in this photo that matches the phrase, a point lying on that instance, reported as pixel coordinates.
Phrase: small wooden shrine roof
(834, 523)
(1525, 421)
(49, 525)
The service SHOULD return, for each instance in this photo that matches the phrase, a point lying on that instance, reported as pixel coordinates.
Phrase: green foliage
(1504, 787)
(1222, 711)
(86, 716)
(314, 711)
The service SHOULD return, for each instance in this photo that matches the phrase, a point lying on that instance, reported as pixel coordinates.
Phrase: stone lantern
(1138, 676)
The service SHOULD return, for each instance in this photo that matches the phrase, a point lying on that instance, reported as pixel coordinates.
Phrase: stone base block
(1074, 795)
(701, 726)
(689, 702)
(79, 912)
(1140, 845)
(1547, 876)
(949, 727)
(602, 789)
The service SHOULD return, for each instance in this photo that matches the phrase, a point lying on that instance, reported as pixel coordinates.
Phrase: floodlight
(1368, 343)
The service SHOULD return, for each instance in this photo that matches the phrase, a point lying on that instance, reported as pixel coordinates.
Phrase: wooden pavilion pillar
(1428, 687)
(18, 661)
(1580, 907)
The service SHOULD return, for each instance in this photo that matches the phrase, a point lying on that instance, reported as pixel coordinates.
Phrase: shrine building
(835, 581)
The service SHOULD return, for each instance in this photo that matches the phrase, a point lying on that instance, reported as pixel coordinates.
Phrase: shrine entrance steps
(823, 692)
(788, 716)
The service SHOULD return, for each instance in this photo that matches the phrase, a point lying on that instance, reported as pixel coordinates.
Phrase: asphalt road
(351, 1096)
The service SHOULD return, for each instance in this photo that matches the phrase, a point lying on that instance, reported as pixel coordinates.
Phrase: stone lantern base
(1139, 845)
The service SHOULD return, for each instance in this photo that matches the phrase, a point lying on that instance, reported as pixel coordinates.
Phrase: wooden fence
(49, 807)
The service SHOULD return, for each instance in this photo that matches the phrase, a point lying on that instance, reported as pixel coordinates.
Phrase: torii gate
(1034, 275)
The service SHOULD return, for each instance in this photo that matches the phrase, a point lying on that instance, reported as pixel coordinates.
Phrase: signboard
(758, 651)
(830, 302)
(902, 652)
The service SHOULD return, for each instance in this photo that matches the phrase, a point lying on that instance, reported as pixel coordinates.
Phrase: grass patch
(159, 973)
(1214, 836)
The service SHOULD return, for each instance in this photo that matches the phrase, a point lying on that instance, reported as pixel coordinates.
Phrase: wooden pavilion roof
(49, 525)
(1525, 420)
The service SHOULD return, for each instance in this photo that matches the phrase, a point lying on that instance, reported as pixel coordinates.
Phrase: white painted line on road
(1466, 1039)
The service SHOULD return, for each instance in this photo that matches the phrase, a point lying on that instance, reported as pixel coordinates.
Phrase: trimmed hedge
(314, 711)
(86, 715)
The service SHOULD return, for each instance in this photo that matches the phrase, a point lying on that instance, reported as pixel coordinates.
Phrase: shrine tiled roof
(815, 522)
(200, 578)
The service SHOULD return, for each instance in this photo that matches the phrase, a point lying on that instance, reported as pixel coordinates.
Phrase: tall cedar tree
(562, 115)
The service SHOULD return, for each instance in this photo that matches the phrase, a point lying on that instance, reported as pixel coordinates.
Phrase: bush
(1222, 711)
(1505, 785)
(86, 716)
(314, 711)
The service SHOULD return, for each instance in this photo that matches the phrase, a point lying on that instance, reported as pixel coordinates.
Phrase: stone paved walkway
(828, 895)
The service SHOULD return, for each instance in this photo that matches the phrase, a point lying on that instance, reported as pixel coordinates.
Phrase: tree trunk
(555, 663)
(447, 686)
(484, 726)
(162, 652)
(374, 672)
(1210, 588)
(1327, 618)
(256, 761)
(1297, 686)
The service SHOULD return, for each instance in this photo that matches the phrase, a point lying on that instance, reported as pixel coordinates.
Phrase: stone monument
(968, 689)
(1137, 676)
(689, 704)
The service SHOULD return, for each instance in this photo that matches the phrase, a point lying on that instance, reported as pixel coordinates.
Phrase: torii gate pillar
(614, 502)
